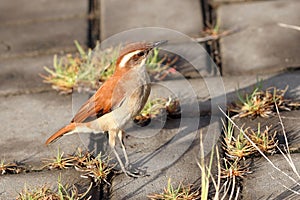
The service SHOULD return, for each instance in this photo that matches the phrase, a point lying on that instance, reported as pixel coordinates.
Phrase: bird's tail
(61, 132)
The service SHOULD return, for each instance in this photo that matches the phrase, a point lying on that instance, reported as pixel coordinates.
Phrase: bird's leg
(112, 143)
(120, 136)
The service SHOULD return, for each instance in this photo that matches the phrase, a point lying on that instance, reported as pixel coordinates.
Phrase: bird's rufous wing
(101, 102)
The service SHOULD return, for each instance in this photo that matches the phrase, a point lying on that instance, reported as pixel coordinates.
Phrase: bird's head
(135, 54)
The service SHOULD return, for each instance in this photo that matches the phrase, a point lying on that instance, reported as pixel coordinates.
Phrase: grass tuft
(80, 70)
(156, 107)
(180, 192)
(45, 193)
(59, 161)
(87, 70)
(262, 102)
(96, 168)
(240, 147)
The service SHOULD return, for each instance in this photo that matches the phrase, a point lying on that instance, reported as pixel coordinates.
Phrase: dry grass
(286, 154)
(87, 70)
(10, 168)
(80, 71)
(234, 168)
(59, 161)
(45, 193)
(262, 103)
(97, 168)
(156, 107)
(180, 192)
(240, 147)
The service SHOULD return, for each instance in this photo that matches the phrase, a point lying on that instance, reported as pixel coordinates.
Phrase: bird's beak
(159, 43)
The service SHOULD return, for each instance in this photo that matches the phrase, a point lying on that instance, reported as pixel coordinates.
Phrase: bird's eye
(140, 54)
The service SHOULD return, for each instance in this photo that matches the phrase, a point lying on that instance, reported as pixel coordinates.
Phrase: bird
(118, 100)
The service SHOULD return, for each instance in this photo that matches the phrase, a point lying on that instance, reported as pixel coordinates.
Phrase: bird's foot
(133, 172)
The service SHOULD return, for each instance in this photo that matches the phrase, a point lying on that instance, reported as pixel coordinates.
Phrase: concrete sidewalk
(31, 33)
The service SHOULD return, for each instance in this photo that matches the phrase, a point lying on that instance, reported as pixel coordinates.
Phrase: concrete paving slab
(268, 183)
(22, 75)
(12, 185)
(22, 11)
(118, 16)
(162, 161)
(210, 91)
(28, 120)
(261, 46)
(41, 38)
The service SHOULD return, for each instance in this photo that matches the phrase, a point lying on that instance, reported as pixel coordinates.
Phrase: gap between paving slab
(12, 185)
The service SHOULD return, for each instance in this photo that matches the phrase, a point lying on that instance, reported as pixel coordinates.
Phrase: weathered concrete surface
(164, 156)
(21, 75)
(268, 183)
(22, 11)
(41, 38)
(28, 120)
(261, 45)
(125, 188)
(40, 27)
(12, 185)
(118, 16)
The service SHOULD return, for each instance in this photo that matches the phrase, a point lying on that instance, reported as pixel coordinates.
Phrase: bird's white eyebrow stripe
(126, 58)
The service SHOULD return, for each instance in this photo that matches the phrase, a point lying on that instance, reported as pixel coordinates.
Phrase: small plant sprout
(82, 158)
(179, 193)
(45, 193)
(237, 147)
(240, 147)
(155, 107)
(287, 155)
(206, 173)
(59, 161)
(234, 169)
(97, 169)
(262, 103)
(264, 140)
(37, 194)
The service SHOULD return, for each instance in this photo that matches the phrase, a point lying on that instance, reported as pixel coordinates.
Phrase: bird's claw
(136, 174)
